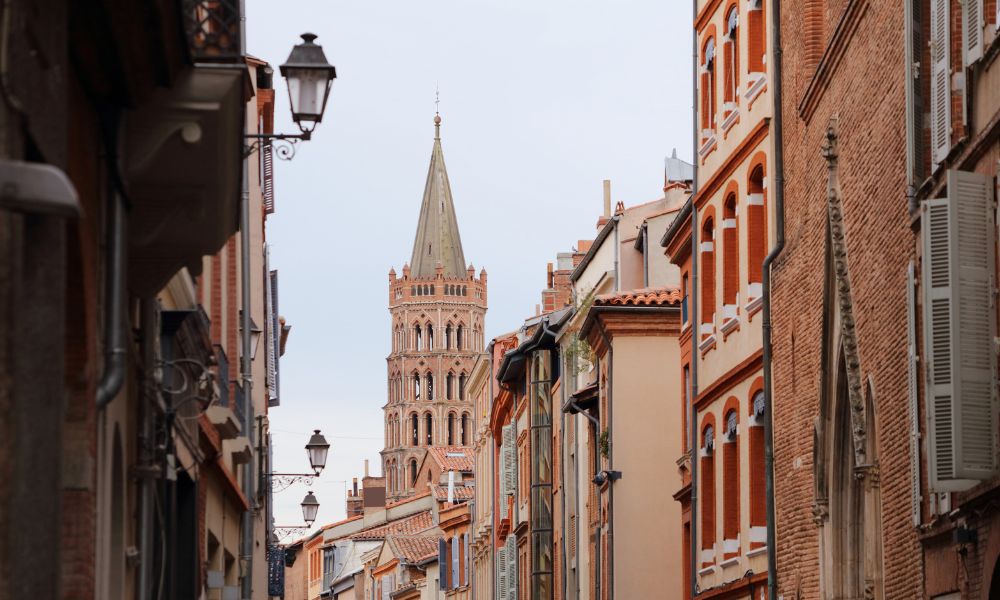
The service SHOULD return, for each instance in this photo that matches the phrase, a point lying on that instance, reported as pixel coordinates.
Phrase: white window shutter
(940, 81)
(959, 329)
(455, 553)
(511, 568)
(501, 591)
(972, 30)
(510, 461)
(914, 400)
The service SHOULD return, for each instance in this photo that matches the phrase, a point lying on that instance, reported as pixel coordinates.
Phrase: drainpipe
(695, 325)
(493, 491)
(779, 222)
(912, 73)
(611, 455)
(146, 441)
(115, 349)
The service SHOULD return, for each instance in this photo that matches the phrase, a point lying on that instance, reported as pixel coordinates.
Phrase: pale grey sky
(540, 99)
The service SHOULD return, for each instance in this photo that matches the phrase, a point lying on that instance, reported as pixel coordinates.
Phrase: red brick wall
(866, 91)
(756, 42)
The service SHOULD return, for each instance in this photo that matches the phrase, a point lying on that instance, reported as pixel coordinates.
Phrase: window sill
(707, 570)
(731, 119)
(754, 306)
(708, 146)
(731, 562)
(757, 552)
(757, 87)
(707, 344)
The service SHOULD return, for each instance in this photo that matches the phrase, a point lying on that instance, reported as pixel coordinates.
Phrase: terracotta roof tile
(642, 297)
(407, 525)
(414, 548)
(461, 492)
(453, 458)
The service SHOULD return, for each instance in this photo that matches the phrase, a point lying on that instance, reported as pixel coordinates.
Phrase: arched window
(429, 429)
(416, 386)
(756, 230)
(416, 338)
(451, 429)
(459, 337)
(757, 40)
(413, 472)
(465, 429)
(447, 336)
(707, 275)
(708, 86)
(413, 427)
(758, 497)
(430, 386)
(430, 336)
(449, 386)
(707, 476)
(732, 58)
(731, 485)
(730, 257)
(461, 386)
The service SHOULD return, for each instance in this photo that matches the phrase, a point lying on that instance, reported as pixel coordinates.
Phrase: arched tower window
(732, 58)
(461, 386)
(465, 429)
(430, 386)
(707, 273)
(730, 257)
(416, 386)
(413, 427)
(756, 229)
(731, 485)
(449, 386)
(459, 337)
(707, 477)
(430, 336)
(708, 86)
(417, 341)
(413, 472)
(451, 429)
(429, 429)
(447, 336)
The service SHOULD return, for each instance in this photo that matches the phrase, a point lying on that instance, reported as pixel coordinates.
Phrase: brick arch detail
(756, 386)
(732, 404)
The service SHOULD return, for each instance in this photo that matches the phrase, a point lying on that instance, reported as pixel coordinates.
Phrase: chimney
(355, 486)
(550, 279)
(607, 198)
(366, 467)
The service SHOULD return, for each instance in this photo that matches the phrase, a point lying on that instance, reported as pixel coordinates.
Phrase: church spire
(437, 240)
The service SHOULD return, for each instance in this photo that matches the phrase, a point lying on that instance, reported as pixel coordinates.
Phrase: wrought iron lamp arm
(283, 143)
(282, 481)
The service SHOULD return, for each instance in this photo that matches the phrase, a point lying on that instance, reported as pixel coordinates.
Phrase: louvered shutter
(271, 356)
(442, 563)
(914, 402)
(959, 328)
(972, 30)
(455, 553)
(468, 558)
(501, 590)
(511, 568)
(940, 82)
(502, 498)
(267, 171)
(510, 461)
(275, 397)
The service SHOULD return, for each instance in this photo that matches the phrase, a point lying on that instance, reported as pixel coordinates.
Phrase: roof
(461, 492)
(412, 524)
(414, 548)
(452, 458)
(437, 240)
(675, 169)
(641, 297)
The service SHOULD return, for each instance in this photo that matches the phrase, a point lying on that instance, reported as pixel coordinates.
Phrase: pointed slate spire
(437, 240)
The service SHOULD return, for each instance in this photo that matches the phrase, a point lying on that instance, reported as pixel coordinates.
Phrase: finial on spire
(437, 113)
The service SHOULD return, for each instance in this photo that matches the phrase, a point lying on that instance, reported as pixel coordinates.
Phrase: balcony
(212, 28)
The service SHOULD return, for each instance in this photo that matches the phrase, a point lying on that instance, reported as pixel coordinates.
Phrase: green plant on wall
(579, 355)
(604, 443)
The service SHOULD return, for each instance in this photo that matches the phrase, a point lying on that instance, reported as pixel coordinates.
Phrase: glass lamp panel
(317, 458)
(307, 91)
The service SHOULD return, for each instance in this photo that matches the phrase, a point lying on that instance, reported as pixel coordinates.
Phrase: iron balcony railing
(222, 375)
(275, 571)
(239, 402)
(213, 30)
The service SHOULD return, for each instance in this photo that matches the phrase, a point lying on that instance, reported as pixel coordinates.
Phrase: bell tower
(438, 308)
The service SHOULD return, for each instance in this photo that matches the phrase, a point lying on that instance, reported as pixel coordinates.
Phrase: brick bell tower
(438, 309)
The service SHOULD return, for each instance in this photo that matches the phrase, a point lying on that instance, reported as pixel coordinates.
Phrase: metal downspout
(611, 454)
(911, 75)
(562, 471)
(493, 491)
(146, 441)
(693, 295)
(115, 347)
(779, 221)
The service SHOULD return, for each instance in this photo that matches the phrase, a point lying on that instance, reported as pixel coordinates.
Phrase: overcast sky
(540, 99)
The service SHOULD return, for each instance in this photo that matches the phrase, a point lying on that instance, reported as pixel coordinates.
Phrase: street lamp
(309, 78)
(310, 506)
(317, 449)
(255, 333)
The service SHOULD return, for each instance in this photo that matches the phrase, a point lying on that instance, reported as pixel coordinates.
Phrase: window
(461, 386)
(732, 57)
(459, 335)
(430, 386)
(465, 429)
(684, 303)
(430, 336)
(707, 477)
(731, 484)
(708, 275)
(730, 257)
(757, 37)
(429, 429)
(413, 472)
(451, 429)
(416, 386)
(413, 425)
(758, 482)
(449, 386)
(757, 229)
(686, 391)
(416, 338)
(708, 100)
(447, 337)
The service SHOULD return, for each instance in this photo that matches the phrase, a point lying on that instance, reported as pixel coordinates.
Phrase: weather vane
(437, 99)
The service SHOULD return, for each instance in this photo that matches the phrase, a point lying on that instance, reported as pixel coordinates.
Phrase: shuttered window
(510, 460)
(442, 564)
(511, 555)
(959, 328)
(502, 578)
(972, 30)
(940, 81)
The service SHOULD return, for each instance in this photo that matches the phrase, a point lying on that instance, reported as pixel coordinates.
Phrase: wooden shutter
(940, 82)
(914, 401)
(271, 356)
(468, 558)
(455, 553)
(267, 172)
(501, 591)
(972, 30)
(442, 563)
(959, 326)
(511, 568)
(510, 460)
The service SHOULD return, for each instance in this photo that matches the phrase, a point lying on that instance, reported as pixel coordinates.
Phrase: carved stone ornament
(821, 512)
(848, 333)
